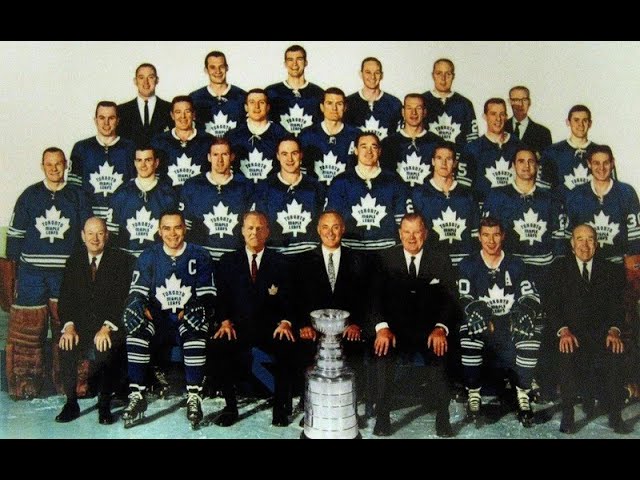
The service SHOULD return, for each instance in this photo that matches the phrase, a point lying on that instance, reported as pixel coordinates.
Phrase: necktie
(412, 268)
(331, 270)
(254, 268)
(146, 113)
(94, 269)
(516, 131)
(585, 272)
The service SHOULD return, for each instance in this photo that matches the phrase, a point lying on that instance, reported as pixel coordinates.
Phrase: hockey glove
(133, 317)
(478, 314)
(195, 316)
(523, 318)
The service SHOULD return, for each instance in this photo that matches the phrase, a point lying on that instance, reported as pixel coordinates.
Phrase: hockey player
(486, 162)
(136, 206)
(219, 105)
(170, 298)
(448, 208)
(295, 101)
(563, 166)
(182, 150)
(328, 146)
(501, 310)
(371, 109)
(43, 232)
(608, 205)
(215, 201)
(410, 150)
(371, 201)
(147, 114)
(254, 142)
(102, 163)
(449, 115)
(291, 201)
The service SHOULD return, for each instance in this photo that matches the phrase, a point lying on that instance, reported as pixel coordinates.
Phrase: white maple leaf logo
(501, 174)
(221, 222)
(445, 128)
(579, 176)
(105, 181)
(294, 220)
(530, 228)
(499, 302)
(606, 231)
(173, 295)
(256, 167)
(295, 120)
(183, 170)
(52, 225)
(449, 227)
(368, 214)
(412, 170)
(220, 125)
(373, 125)
(143, 226)
(328, 167)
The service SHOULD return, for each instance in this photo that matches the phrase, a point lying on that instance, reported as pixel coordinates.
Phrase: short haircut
(100, 219)
(370, 59)
(594, 149)
(334, 91)
(585, 225)
(107, 104)
(526, 149)
(146, 146)
(296, 48)
(490, 222)
(220, 141)
(578, 108)
(494, 101)
(413, 217)
(366, 134)
(331, 212)
(147, 65)
(417, 96)
(520, 87)
(217, 54)
(182, 98)
(445, 60)
(257, 90)
(172, 212)
(288, 138)
(53, 150)
(446, 145)
(256, 213)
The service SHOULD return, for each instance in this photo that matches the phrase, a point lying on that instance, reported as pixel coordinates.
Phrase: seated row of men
(406, 302)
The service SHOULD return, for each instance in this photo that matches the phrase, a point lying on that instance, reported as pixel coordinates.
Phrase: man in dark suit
(332, 277)
(254, 310)
(587, 313)
(147, 114)
(532, 134)
(94, 288)
(414, 312)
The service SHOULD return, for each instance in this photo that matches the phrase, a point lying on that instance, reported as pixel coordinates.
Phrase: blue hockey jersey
(295, 109)
(326, 156)
(382, 116)
(453, 119)
(218, 115)
(409, 157)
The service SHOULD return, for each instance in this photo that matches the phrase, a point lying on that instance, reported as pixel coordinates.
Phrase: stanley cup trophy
(330, 397)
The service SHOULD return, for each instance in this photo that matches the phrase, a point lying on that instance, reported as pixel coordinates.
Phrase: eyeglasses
(519, 100)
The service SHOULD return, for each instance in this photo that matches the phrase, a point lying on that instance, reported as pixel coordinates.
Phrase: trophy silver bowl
(330, 396)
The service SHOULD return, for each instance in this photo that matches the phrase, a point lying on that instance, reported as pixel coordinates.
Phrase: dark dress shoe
(568, 422)
(618, 425)
(280, 418)
(382, 427)
(104, 409)
(443, 425)
(70, 412)
(228, 417)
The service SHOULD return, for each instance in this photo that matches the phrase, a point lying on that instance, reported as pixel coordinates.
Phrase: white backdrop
(50, 89)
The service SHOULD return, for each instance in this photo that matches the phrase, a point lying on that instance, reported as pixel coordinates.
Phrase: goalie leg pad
(7, 283)
(25, 352)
